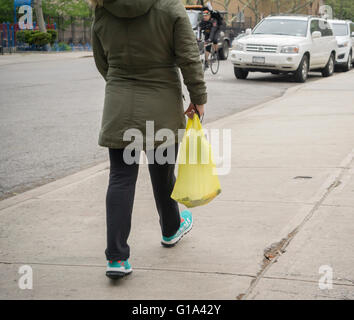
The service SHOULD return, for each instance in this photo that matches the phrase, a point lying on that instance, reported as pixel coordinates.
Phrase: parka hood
(128, 8)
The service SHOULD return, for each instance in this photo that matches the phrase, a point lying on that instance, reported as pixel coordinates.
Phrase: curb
(55, 185)
(86, 173)
(11, 59)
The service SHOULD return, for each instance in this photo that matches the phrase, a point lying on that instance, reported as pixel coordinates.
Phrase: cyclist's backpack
(216, 15)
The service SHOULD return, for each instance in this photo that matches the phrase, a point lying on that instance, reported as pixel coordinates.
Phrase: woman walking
(138, 46)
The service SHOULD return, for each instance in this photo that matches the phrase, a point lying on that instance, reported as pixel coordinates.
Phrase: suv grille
(261, 48)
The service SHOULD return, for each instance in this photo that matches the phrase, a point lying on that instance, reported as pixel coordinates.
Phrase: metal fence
(238, 27)
(8, 35)
(242, 25)
(8, 38)
(74, 31)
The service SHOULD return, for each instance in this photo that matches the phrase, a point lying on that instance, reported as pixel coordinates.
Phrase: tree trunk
(39, 15)
(277, 5)
(341, 9)
(40, 19)
(253, 8)
(301, 6)
(295, 5)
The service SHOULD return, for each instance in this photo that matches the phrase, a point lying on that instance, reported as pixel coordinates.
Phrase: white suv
(344, 33)
(286, 43)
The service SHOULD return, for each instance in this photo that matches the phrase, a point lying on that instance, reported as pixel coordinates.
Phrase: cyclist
(210, 26)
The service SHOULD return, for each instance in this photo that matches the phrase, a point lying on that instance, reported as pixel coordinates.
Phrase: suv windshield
(286, 27)
(340, 29)
(193, 18)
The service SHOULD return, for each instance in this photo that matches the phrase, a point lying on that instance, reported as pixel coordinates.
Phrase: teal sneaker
(185, 227)
(118, 269)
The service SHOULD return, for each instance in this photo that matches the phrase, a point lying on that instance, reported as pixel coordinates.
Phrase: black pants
(120, 199)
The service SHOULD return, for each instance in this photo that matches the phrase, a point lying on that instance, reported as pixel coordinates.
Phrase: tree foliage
(6, 10)
(35, 37)
(342, 9)
(74, 8)
(254, 6)
(53, 8)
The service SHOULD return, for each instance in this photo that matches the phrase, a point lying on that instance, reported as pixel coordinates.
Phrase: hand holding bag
(197, 182)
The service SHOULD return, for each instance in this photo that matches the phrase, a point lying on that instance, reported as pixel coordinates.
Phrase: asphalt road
(51, 112)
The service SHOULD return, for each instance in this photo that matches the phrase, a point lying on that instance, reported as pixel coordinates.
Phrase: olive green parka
(138, 46)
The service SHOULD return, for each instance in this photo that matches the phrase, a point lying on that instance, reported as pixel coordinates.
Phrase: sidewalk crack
(135, 268)
(274, 251)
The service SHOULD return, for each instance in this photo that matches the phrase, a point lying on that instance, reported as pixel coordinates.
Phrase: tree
(291, 6)
(225, 3)
(342, 9)
(6, 10)
(73, 8)
(39, 14)
(298, 5)
(40, 19)
(68, 12)
(253, 5)
(278, 5)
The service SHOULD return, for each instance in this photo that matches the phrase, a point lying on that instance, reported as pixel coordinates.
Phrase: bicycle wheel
(214, 62)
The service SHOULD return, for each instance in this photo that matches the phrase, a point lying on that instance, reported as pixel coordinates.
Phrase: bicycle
(213, 59)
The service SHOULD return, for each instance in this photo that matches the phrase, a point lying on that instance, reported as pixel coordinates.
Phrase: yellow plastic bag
(197, 182)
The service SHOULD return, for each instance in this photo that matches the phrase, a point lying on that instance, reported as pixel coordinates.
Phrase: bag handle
(197, 112)
(195, 123)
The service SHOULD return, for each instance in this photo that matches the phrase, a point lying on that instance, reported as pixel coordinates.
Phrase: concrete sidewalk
(289, 196)
(40, 57)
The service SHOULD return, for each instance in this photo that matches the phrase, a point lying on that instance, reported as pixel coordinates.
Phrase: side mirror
(316, 34)
(248, 31)
(353, 34)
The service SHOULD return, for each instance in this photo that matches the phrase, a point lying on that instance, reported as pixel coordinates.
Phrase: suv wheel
(302, 71)
(224, 51)
(328, 70)
(240, 73)
(349, 63)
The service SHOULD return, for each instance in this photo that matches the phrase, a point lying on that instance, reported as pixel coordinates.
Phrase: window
(284, 27)
(340, 29)
(322, 26)
(351, 29)
(315, 26)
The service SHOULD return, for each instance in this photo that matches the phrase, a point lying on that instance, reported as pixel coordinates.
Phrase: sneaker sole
(169, 245)
(117, 274)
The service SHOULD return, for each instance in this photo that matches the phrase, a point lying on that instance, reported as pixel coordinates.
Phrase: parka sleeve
(99, 55)
(187, 57)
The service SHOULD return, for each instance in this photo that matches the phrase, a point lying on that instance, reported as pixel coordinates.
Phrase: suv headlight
(343, 45)
(289, 49)
(238, 46)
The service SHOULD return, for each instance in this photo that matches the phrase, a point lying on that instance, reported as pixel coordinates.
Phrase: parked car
(344, 33)
(286, 44)
(195, 14)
